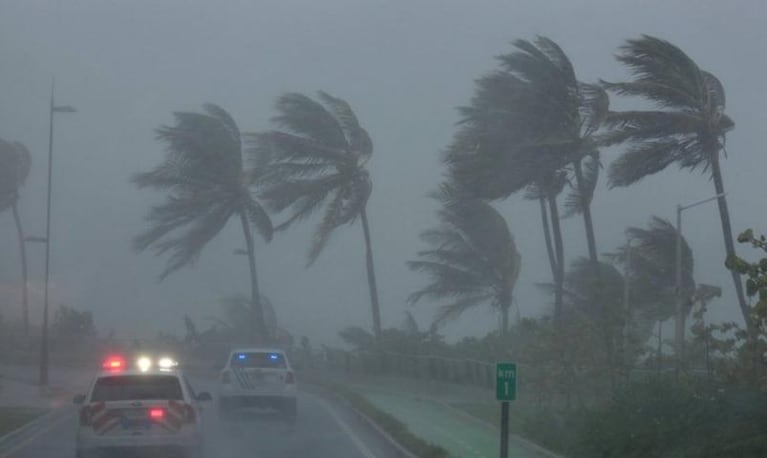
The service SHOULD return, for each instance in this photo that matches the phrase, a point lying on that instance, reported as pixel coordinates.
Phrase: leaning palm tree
(318, 161)
(687, 126)
(530, 126)
(15, 162)
(207, 185)
(472, 260)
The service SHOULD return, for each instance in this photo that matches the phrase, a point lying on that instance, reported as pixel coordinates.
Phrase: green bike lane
(433, 421)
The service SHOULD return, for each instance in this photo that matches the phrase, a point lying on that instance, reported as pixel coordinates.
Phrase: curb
(526, 442)
(402, 451)
(13, 438)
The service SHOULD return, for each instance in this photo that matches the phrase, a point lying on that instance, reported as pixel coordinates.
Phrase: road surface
(323, 430)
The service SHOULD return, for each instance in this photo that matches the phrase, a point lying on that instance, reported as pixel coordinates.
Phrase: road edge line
(48, 416)
(348, 430)
(54, 420)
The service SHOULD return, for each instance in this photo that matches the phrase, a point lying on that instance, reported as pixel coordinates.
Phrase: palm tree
(530, 125)
(318, 161)
(650, 267)
(687, 126)
(207, 184)
(471, 260)
(15, 162)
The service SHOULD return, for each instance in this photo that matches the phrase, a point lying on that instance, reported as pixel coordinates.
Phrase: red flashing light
(156, 414)
(114, 363)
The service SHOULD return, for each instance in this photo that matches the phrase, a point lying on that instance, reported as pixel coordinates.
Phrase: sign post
(505, 391)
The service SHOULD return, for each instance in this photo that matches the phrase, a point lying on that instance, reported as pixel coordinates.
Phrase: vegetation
(318, 160)
(15, 163)
(472, 260)
(530, 126)
(595, 363)
(208, 184)
(687, 127)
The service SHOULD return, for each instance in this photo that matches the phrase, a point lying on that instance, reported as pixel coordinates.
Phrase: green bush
(663, 418)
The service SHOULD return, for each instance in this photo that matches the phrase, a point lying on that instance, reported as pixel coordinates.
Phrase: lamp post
(44, 343)
(680, 299)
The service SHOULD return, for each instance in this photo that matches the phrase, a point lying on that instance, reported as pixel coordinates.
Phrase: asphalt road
(323, 430)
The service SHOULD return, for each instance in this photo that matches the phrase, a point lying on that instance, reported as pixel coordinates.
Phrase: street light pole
(44, 341)
(680, 299)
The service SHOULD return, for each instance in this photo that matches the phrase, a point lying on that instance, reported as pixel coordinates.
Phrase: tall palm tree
(318, 161)
(687, 126)
(15, 162)
(472, 260)
(207, 184)
(531, 124)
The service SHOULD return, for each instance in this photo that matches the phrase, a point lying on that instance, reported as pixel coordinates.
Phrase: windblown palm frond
(652, 269)
(472, 259)
(315, 163)
(207, 185)
(688, 128)
(15, 163)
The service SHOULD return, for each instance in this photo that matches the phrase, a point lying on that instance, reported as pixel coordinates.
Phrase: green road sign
(505, 381)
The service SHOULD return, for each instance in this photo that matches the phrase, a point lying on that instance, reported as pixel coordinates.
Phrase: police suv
(257, 377)
(146, 406)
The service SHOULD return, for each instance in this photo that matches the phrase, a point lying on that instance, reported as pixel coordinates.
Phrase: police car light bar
(114, 363)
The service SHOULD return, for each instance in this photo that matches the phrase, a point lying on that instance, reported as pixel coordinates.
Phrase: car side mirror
(204, 396)
(79, 399)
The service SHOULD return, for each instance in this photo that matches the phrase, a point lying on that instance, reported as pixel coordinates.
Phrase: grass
(12, 418)
(491, 413)
(395, 428)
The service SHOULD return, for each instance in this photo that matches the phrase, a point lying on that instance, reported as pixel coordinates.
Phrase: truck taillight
(85, 416)
(290, 378)
(225, 377)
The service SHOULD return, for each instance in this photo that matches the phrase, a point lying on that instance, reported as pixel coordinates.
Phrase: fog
(404, 66)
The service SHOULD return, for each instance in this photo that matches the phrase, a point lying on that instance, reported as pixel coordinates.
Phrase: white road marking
(23, 444)
(346, 429)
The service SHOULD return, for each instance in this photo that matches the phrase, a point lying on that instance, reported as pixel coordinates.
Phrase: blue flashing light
(241, 356)
(274, 356)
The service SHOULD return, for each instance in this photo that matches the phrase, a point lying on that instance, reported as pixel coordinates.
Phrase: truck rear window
(136, 388)
(264, 360)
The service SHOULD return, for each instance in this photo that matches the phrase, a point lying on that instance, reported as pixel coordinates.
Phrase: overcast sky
(403, 65)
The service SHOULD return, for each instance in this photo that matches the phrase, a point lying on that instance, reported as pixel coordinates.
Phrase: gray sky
(403, 65)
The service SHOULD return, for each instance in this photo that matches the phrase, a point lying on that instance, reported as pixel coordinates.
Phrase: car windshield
(537, 226)
(262, 360)
(136, 388)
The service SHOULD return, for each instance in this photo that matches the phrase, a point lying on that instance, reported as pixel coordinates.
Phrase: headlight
(144, 363)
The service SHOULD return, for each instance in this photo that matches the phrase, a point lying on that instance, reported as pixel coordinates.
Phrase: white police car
(148, 407)
(258, 377)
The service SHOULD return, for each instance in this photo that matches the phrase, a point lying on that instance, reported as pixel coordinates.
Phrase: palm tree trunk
(593, 258)
(258, 326)
(23, 251)
(371, 275)
(586, 207)
(547, 236)
(559, 277)
(729, 244)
